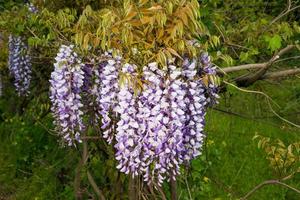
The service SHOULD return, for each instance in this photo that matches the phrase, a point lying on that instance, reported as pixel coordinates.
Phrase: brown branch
(263, 65)
(269, 182)
(77, 180)
(241, 67)
(289, 58)
(163, 196)
(132, 193)
(251, 78)
(280, 74)
(284, 13)
(95, 187)
(173, 185)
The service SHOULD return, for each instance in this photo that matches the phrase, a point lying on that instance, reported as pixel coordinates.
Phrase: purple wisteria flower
(65, 94)
(154, 130)
(19, 61)
(173, 122)
(150, 131)
(195, 111)
(19, 64)
(108, 87)
(209, 69)
(91, 91)
(127, 136)
(32, 8)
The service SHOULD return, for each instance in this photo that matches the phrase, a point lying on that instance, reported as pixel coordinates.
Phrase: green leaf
(275, 43)
(244, 56)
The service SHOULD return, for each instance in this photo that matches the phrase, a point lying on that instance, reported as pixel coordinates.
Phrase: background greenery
(34, 166)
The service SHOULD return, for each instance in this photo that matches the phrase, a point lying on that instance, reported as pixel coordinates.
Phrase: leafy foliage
(283, 159)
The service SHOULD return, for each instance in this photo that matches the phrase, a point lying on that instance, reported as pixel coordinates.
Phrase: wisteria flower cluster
(19, 64)
(209, 69)
(107, 96)
(154, 130)
(163, 126)
(65, 94)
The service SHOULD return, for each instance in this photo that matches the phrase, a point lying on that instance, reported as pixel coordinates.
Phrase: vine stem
(132, 193)
(77, 180)
(269, 182)
(173, 185)
(94, 186)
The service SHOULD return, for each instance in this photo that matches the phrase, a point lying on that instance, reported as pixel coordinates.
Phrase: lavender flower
(149, 136)
(209, 69)
(172, 107)
(66, 85)
(107, 96)
(19, 64)
(127, 137)
(195, 111)
(32, 8)
(154, 131)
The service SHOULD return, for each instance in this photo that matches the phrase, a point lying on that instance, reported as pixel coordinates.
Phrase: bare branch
(132, 194)
(269, 182)
(173, 185)
(77, 180)
(280, 74)
(251, 78)
(241, 67)
(265, 65)
(284, 13)
(94, 186)
(289, 58)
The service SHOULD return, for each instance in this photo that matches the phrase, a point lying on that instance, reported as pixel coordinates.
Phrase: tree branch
(240, 67)
(248, 79)
(269, 182)
(77, 180)
(284, 73)
(173, 185)
(284, 13)
(132, 190)
(95, 187)
(263, 66)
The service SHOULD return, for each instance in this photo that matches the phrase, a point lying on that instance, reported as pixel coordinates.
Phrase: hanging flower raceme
(210, 70)
(108, 87)
(65, 94)
(19, 64)
(152, 107)
(150, 131)
(170, 146)
(127, 135)
(163, 125)
(90, 91)
(195, 111)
